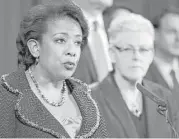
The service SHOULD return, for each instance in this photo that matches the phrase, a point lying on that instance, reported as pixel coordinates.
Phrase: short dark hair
(165, 11)
(34, 23)
(114, 8)
(109, 12)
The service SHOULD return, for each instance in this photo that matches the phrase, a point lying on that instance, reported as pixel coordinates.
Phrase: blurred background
(12, 11)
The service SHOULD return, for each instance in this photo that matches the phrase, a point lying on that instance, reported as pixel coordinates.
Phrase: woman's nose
(136, 54)
(71, 50)
(72, 54)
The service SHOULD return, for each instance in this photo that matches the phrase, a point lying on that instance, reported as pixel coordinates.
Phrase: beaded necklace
(63, 92)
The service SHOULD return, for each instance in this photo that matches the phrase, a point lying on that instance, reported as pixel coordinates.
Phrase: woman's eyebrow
(61, 33)
(78, 35)
(129, 45)
(66, 34)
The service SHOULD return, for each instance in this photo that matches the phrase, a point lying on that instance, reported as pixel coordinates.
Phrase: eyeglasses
(130, 50)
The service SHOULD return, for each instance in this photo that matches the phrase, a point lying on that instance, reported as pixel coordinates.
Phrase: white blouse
(72, 125)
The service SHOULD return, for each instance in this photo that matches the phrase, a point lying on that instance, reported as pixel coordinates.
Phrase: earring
(37, 60)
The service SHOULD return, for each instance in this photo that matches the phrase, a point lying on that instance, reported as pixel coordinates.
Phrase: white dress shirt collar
(165, 69)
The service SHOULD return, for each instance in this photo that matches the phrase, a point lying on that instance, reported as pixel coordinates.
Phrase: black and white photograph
(89, 69)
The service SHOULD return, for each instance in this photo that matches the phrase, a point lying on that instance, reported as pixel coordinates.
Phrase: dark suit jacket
(155, 76)
(118, 118)
(86, 70)
(22, 115)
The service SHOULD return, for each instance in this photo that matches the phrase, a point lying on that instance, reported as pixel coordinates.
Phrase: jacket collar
(31, 112)
(154, 75)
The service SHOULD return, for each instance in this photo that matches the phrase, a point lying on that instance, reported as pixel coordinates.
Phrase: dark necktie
(174, 79)
(175, 89)
(95, 25)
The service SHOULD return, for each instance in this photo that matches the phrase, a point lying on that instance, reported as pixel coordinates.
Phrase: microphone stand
(162, 106)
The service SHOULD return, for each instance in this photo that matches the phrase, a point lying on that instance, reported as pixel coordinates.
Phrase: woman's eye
(127, 49)
(60, 41)
(78, 43)
(144, 50)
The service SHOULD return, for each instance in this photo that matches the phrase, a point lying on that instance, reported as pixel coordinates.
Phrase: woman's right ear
(112, 53)
(34, 47)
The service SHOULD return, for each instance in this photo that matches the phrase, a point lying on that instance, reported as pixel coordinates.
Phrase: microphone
(152, 96)
(162, 105)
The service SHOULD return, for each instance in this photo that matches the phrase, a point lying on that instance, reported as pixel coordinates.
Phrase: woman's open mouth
(69, 65)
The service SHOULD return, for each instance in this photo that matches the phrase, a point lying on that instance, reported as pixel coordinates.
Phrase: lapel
(156, 123)
(114, 98)
(32, 112)
(155, 76)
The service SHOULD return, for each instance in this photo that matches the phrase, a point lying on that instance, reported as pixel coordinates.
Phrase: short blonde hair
(130, 22)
